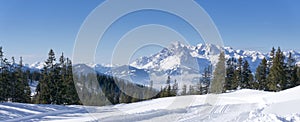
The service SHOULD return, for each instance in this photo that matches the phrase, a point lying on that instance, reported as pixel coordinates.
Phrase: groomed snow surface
(242, 105)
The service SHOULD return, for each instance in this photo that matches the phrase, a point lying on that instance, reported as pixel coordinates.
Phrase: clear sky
(30, 28)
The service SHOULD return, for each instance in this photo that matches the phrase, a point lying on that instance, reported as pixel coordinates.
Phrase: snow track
(42, 116)
(16, 112)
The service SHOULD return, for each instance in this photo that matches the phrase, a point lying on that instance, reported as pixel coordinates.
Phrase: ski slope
(242, 105)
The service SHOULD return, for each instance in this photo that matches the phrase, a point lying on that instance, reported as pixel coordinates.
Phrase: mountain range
(182, 62)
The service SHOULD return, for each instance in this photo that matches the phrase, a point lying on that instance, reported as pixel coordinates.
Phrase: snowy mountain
(37, 65)
(238, 106)
(201, 56)
(183, 62)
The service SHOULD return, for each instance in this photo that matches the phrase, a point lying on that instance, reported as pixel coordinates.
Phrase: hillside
(241, 105)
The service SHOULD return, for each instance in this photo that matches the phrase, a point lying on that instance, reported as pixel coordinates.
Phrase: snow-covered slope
(242, 105)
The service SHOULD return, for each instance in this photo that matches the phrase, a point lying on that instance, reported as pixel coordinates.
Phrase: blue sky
(30, 28)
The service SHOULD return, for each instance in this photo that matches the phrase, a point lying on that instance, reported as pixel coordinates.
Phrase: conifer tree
(71, 93)
(46, 87)
(277, 77)
(59, 81)
(43, 90)
(203, 85)
(13, 81)
(247, 76)
(22, 92)
(6, 79)
(238, 73)
(218, 80)
(230, 82)
(270, 61)
(294, 77)
(290, 69)
(25, 84)
(261, 75)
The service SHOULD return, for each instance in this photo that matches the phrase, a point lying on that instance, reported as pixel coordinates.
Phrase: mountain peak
(37, 65)
(177, 45)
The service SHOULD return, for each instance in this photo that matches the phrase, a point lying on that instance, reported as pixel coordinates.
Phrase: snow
(37, 65)
(33, 85)
(242, 105)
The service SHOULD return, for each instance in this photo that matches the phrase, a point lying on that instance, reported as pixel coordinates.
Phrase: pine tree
(219, 75)
(22, 92)
(6, 75)
(13, 81)
(27, 90)
(247, 77)
(43, 90)
(290, 72)
(261, 75)
(59, 81)
(238, 73)
(277, 77)
(71, 93)
(270, 61)
(294, 77)
(230, 82)
(50, 62)
(46, 88)
(202, 86)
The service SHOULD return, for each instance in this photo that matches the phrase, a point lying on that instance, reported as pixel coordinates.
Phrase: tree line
(55, 81)
(279, 72)
(13, 80)
(99, 90)
(276, 73)
(58, 85)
